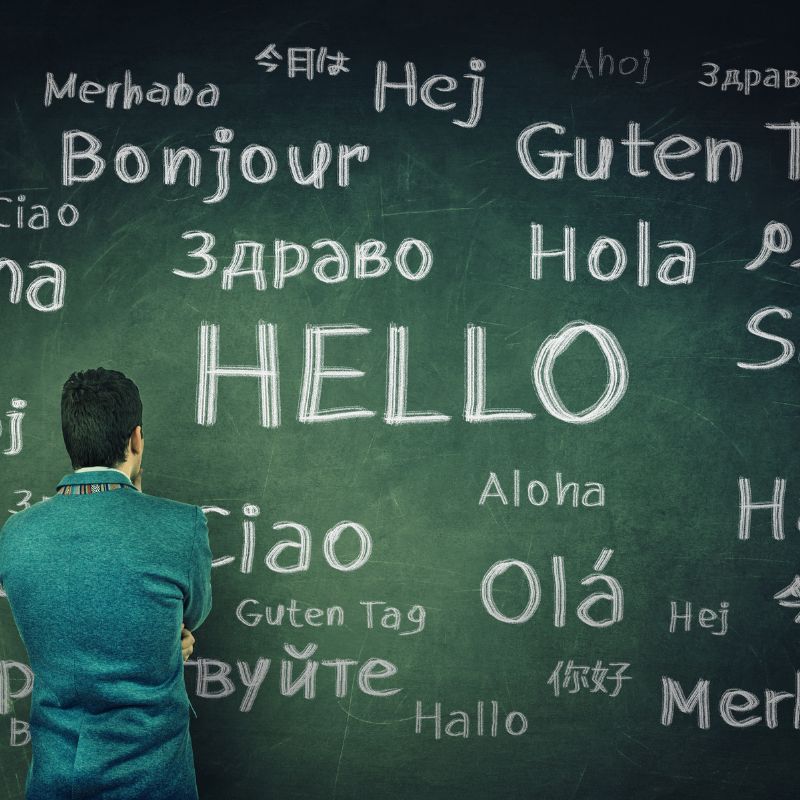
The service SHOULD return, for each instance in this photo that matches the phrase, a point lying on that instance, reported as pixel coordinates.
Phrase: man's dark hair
(100, 408)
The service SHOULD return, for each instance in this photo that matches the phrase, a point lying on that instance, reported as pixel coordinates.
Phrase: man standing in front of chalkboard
(105, 584)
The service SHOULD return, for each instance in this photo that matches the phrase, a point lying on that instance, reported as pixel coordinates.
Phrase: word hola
(674, 270)
(57, 280)
(614, 596)
(515, 723)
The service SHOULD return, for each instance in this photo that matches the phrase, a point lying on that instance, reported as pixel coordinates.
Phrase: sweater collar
(95, 475)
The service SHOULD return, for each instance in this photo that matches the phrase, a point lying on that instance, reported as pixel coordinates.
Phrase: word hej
(15, 417)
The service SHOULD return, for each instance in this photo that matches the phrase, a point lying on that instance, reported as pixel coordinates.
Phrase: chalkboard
(473, 330)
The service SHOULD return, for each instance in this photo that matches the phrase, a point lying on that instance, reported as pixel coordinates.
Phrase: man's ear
(136, 440)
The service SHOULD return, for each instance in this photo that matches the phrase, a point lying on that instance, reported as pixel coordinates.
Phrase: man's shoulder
(164, 504)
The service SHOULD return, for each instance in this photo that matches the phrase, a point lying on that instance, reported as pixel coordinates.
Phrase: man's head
(101, 418)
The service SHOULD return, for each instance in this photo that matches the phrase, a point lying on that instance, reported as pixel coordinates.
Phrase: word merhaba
(315, 372)
(732, 703)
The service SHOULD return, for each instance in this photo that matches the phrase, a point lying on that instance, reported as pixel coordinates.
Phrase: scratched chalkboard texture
(574, 699)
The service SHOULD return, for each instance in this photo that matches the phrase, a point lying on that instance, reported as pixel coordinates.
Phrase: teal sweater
(99, 585)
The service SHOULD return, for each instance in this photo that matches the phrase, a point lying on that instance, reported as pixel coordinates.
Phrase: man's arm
(197, 600)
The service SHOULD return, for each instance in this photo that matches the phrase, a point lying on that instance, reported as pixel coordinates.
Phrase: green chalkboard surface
(473, 331)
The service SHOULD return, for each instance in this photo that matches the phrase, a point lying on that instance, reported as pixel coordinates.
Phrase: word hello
(588, 494)
(316, 372)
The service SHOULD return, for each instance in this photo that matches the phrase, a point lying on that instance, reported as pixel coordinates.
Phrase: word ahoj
(316, 372)
(15, 417)
(301, 546)
(627, 65)
(257, 163)
(588, 494)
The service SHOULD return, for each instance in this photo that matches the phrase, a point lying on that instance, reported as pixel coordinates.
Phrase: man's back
(99, 584)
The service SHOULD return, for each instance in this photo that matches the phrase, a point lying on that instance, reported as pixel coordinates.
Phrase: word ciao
(412, 259)
(316, 372)
(36, 216)
(377, 613)
(301, 547)
(257, 163)
(614, 596)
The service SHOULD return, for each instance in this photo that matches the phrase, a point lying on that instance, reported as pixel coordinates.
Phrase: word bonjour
(316, 372)
(257, 163)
